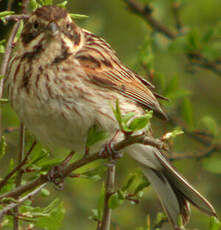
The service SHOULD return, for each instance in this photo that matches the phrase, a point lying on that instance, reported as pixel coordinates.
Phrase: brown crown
(51, 13)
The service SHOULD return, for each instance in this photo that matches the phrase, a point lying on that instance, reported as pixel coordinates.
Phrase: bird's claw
(109, 151)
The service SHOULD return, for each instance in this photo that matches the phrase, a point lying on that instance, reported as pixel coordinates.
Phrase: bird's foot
(56, 173)
(108, 151)
(56, 176)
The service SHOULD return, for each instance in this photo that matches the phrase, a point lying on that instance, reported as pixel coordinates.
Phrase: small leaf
(211, 125)
(1, 77)
(101, 203)
(20, 28)
(129, 182)
(2, 147)
(6, 13)
(78, 16)
(215, 224)
(212, 164)
(141, 186)
(45, 192)
(51, 217)
(187, 112)
(2, 49)
(127, 117)
(34, 5)
(140, 122)
(95, 174)
(3, 100)
(115, 201)
(62, 4)
(95, 135)
(117, 114)
(171, 135)
(171, 87)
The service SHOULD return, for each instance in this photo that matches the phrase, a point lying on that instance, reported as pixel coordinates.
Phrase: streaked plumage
(63, 79)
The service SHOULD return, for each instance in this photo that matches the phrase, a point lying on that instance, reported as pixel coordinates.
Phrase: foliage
(186, 69)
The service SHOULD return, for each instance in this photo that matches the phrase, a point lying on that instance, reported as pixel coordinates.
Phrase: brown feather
(105, 69)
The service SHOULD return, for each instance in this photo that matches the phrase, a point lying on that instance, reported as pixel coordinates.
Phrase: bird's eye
(35, 25)
(68, 26)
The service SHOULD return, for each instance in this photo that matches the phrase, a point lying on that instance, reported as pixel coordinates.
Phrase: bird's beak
(53, 28)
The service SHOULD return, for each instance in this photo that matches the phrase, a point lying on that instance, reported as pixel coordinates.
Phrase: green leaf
(46, 2)
(115, 200)
(45, 192)
(127, 117)
(95, 135)
(62, 4)
(78, 16)
(2, 147)
(210, 123)
(187, 112)
(117, 114)
(100, 205)
(212, 164)
(146, 57)
(34, 5)
(215, 224)
(140, 122)
(2, 49)
(20, 28)
(208, 35)
(142, 185)
(3, 100)
(1, 77)
(129, 182)
(193, 40)
(51, 217)
(6, 13)
(95, 174)
(171, 135)
(171, 87)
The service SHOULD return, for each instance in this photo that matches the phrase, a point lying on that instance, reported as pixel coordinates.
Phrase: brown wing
(105, 69)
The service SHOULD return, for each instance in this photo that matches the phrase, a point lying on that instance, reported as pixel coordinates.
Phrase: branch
(83, 161)
(109, 190)
(20, 201)
(19, 172)
(15, 17)
(197, 156)
(146, 13)
(18, 167)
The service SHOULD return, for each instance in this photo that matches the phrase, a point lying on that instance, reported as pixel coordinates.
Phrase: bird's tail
(173, 190)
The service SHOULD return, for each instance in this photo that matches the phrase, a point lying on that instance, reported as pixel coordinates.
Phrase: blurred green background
(174, 77)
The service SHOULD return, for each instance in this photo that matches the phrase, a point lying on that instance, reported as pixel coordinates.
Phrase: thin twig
(15, 17)
(109, 190)
(9, 5)
(20, 201)
(146, 13)
(25, 6)
(75, 165)
(18, 167)
(176, 12)
(19, 172)
(197, 156)
(5, 61)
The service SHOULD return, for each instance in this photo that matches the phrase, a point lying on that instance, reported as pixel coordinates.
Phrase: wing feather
(105, 69)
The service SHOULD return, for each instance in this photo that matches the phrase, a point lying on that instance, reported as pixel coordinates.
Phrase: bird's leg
(55, 174)
(108, 149)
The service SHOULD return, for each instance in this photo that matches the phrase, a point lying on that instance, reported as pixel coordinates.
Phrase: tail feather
(191, 194)
(172, 189)
(173, 203)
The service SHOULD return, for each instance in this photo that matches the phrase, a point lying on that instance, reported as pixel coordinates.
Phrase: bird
(62, 80)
